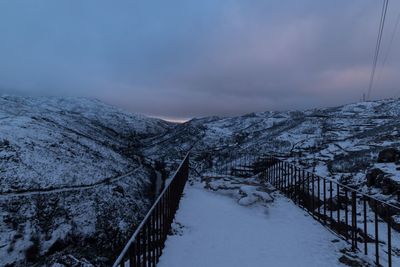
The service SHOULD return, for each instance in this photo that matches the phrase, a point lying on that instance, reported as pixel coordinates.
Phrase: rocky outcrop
(388, 155)
(379, 179)
(389, 186)
(374, 177)
(251, 194)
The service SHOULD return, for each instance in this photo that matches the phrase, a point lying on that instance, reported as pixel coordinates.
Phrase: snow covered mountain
(83, 156)
(89, 161)
(54, 142)
(357, 144)
(341, 142)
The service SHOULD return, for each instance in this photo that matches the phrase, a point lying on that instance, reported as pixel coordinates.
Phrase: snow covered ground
(211, 229)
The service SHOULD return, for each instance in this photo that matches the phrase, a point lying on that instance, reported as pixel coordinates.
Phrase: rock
(247, 201)
(252, 194)
(389, 186)
(385, 212)
(346, 260)
(388, 155)
(374, 177)
(391, 214)
(377, 178)
(119, 189)
(396, 222)
(58, 245)
(72, 261)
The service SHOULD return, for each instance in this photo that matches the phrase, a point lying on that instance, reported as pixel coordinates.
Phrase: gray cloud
(195, 58)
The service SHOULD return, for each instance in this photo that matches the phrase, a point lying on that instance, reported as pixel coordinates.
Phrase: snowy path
(213, 230)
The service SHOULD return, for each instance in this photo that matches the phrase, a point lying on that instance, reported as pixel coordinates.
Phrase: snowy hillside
(341, 142)
(75, 176)
(83, 157)
(357, 144)
(51, 142)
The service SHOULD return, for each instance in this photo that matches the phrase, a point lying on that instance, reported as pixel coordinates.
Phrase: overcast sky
(191, 58)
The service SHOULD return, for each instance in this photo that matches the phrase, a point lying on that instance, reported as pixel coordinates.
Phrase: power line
(389, 47)
(378, 46)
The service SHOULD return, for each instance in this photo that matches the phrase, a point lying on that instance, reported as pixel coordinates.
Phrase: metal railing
(241, 164)
(145, 246)
(363, 220)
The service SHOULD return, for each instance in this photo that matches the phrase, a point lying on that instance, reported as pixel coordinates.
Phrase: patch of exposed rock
(389, 155)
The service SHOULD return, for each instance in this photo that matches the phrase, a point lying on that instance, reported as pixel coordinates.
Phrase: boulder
(389, 186)
(374, 177)
(388, 155)
(350, 261)
(377, 178)
(387, 212)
